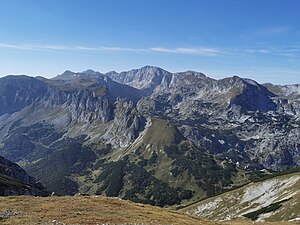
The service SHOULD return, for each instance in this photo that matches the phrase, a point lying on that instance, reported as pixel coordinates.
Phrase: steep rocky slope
(15, 181)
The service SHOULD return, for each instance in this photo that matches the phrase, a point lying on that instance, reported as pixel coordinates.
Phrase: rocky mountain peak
(146, 78)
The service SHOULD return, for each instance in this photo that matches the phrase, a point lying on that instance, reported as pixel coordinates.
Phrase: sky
(257, 39)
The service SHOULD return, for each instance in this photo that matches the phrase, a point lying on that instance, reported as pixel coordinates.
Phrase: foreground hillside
(274, 199)
(88, 210)
(92, 210)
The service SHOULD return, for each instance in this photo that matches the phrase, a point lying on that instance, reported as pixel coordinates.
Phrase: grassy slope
(162, 133)
(95, 210)
(88, 210)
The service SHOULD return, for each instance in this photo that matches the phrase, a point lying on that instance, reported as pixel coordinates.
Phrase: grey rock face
(127, 123)
(146, 78)
(289, 97)
(89, 95)
(84, 105)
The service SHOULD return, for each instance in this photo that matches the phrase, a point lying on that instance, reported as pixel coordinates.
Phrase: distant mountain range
(148, 135)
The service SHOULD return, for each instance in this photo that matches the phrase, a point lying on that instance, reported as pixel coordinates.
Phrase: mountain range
(148, 135)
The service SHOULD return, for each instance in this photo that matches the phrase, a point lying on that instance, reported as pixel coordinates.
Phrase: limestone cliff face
(127, 123)
(88, 98)
(84, 105)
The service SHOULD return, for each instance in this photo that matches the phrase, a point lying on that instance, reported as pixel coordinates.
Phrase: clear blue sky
(258, 39)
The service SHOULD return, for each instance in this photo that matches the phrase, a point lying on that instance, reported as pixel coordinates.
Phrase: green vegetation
(210, 176)
(180, 163)
(28, 142)
(99, 163)
(67, 157)
(101, 149)
(9, 184)
(143, 187)
(112, 178)
(52, 162)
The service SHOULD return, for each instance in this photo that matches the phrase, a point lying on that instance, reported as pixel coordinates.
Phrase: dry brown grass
(93, 210)
(88, 210)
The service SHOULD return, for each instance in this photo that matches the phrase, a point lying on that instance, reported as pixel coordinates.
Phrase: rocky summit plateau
(148, 135)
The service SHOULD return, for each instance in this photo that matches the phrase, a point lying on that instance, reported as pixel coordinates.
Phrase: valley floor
(94, 210)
